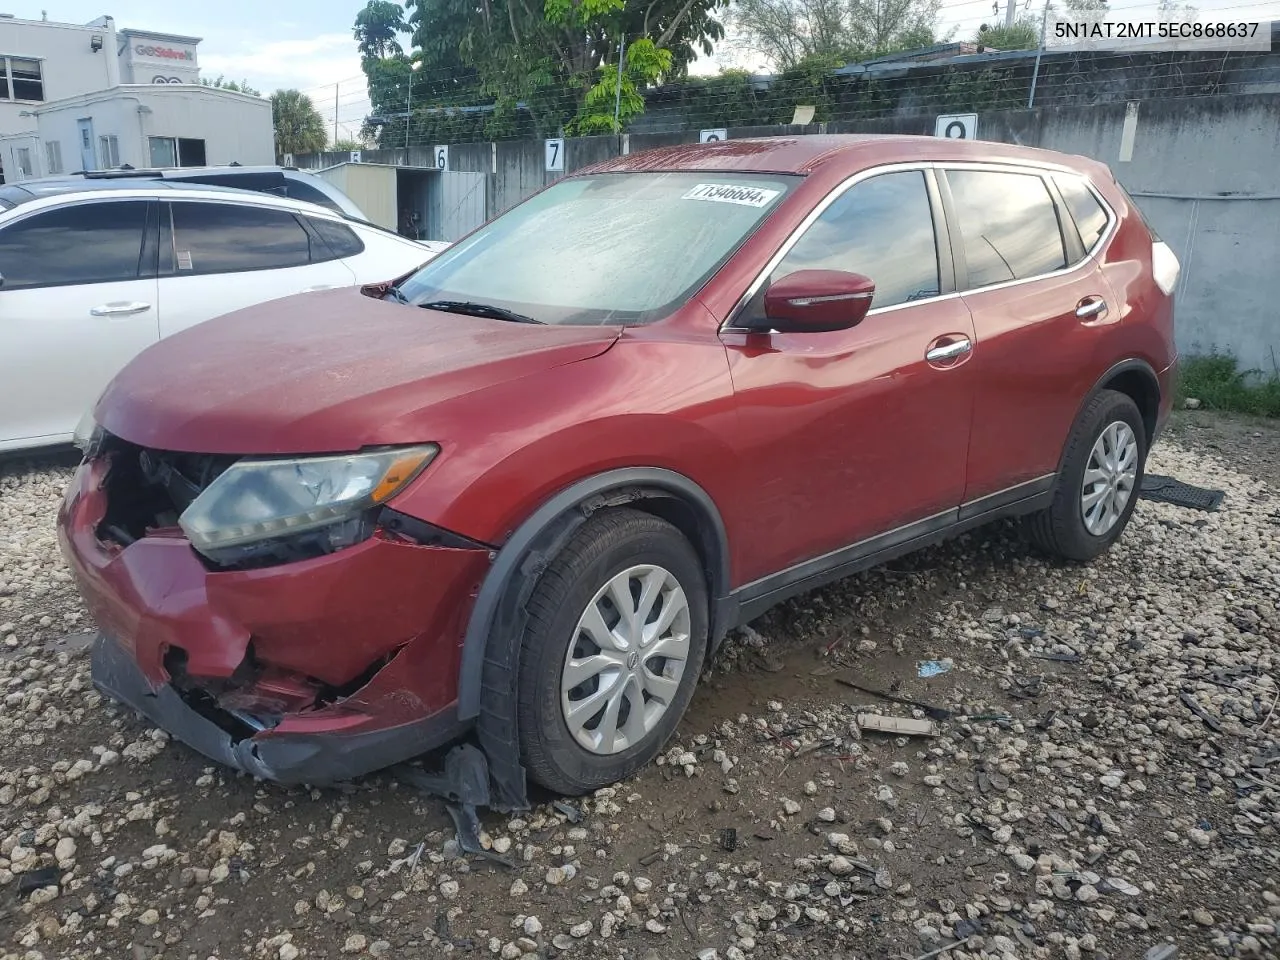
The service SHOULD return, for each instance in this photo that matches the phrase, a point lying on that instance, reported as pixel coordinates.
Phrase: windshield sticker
(731, 193)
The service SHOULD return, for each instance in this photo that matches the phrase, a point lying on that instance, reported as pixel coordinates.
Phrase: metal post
(1035, 73)
(1011, 7)
(408, 114)
(335, 114)
(617, 100)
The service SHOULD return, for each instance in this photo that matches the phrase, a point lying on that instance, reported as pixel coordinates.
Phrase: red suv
(519, 495)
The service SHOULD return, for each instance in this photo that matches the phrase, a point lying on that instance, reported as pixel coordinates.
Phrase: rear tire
(601, 689)
(1109, 442)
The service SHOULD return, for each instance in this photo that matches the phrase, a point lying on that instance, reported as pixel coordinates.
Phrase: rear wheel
(615, 642)
(1097, 490)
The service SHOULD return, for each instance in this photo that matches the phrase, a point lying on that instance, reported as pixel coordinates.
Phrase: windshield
(614, 248)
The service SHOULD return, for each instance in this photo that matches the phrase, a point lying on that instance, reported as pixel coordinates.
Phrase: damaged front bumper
(318, 759)
(308, 672)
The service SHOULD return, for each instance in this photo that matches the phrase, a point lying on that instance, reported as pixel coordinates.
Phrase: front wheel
(1097, 490)
(615, 642)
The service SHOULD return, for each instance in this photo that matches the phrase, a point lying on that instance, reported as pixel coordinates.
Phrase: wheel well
(697, 528)
(1142, 389)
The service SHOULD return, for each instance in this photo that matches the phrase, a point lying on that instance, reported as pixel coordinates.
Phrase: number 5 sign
(440, 157)
(555, 155)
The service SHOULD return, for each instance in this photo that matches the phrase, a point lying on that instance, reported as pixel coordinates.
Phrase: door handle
(949, 351)
(120, 309)
(1091, 308)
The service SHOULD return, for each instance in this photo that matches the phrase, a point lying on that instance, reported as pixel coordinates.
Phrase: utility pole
(335, 114)
(1035, 73)
(1010, 10)
(617, 100)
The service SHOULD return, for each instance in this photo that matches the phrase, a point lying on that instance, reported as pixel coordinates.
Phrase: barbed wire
(894, 89)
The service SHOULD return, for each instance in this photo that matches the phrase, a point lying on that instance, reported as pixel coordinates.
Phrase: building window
(109, 151)
(53, 154)
(21, 80)
(23, 160)
(177, 152)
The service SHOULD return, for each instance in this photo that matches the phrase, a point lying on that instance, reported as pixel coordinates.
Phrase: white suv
(93, 272)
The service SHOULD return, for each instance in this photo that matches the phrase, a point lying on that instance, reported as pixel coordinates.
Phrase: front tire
(1097, 490)
(615, 641)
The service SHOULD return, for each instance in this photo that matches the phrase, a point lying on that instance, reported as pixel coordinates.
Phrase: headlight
(256, 500)
(88, 435)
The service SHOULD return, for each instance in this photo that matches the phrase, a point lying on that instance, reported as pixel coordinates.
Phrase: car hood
(323, 372)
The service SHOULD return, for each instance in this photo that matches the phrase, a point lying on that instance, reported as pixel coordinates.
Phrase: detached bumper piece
(286, 758)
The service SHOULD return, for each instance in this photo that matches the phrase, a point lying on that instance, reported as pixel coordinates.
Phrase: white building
(93, 97)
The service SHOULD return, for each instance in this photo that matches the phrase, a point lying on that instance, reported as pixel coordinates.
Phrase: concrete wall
(1203, 170)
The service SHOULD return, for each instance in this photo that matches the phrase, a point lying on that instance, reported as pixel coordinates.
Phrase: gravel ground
(1107, 781)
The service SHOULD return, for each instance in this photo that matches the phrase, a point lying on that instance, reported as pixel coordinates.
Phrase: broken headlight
(257, 500)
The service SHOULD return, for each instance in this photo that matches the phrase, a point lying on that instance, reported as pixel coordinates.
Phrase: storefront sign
(162, 53)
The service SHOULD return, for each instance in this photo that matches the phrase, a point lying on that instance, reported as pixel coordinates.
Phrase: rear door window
(1089, 215)
(82, 243)
(228, 238)
(1008, 224)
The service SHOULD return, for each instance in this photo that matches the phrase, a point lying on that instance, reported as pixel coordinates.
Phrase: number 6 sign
(440, 157)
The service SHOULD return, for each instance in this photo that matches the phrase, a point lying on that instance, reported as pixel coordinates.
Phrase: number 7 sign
(555, 155)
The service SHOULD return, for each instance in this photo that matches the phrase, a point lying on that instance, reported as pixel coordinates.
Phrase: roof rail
(120, 172)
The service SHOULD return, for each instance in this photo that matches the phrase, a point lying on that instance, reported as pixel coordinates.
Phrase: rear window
(1089, 215)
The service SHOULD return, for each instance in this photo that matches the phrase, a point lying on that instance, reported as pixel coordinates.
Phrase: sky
(308, 45)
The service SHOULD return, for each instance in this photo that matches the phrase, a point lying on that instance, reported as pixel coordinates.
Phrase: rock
(1202, 916)
(379, 948)
(449, 889)
(840, 866)
(65, 850)
(532, 926)
(1191, 403)
(562, 942)
(790, 807)
(580, 930)
(288, 952)
(654, 926)
(827, 815)
(149, 918)
(355, 943)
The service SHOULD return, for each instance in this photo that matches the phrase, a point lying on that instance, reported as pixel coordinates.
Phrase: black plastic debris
(729, 839)
(571, 812)
(37, 880)
(464, 786)
(1168, 490)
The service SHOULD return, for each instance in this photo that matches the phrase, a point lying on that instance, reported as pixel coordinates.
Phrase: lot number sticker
(732, 193)
(440, 157)
(555, 155)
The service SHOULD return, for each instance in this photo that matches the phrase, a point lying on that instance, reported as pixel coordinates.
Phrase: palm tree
(299, 127)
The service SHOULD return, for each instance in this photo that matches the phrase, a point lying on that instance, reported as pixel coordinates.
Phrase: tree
(555, 54)
(1023, 35)
(346, 145)
(791, 33)
(299, 127)
(223, 84)
(377, 28)
(1172, 11)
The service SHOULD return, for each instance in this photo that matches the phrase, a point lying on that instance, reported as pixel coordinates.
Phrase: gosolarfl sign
(159, 52)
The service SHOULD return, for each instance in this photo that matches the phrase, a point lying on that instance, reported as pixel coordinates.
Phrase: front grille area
(147, 489)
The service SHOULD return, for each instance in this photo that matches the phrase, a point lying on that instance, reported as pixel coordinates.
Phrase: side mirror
(814, 301)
